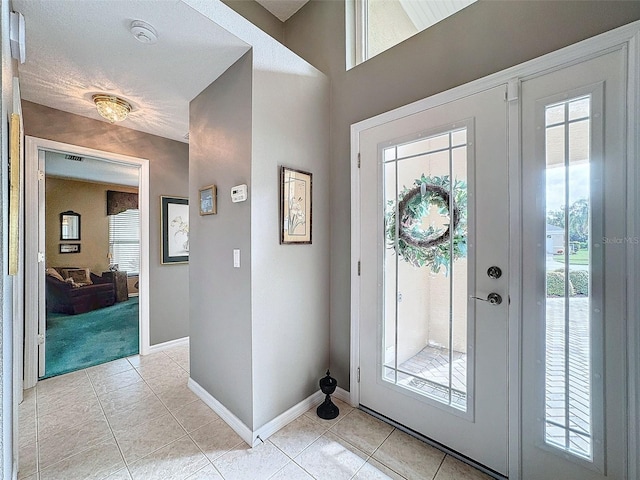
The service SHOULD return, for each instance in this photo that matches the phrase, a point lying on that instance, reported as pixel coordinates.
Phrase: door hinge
(358, 267)
(358, 159)
(40, 257)
(358, 374)
(40, 175)
(40, 339)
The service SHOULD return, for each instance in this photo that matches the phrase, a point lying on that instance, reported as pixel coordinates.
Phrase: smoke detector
(143, 32)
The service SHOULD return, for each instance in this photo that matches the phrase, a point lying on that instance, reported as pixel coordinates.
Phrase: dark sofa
(63, 297)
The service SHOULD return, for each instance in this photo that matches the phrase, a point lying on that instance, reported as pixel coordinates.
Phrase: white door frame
(626, 38)
(32, 226)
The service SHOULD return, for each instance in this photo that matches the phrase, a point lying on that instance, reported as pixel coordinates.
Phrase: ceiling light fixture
(113, 108)
(143, 32)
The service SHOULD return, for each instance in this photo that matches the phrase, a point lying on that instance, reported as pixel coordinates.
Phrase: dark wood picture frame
(174, 225)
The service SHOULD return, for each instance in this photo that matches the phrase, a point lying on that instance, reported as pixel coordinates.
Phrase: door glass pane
(568, 322)
(425, 267)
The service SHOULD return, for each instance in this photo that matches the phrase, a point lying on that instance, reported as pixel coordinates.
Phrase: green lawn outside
(581, 257)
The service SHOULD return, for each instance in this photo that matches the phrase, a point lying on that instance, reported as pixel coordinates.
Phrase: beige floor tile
(69, 381)
(63, 399)
(168, 379)
(28, 460)
(207, 473)
(292, 471)
(175, 352)
(194, 415)
(116, 381)
(252, 463)
(120, 475)
(453, 469)
(362, 430)
(136, 443)
(69, 416)
(332, 458)
(68, 442)
(107, 369)
(410, 457)
(30, 477)
(159, 368)
(298, 435)
(344, 409)
(217, 438)
(27, 430)
(176, 460)
(114, 401)
(133, 415)
(140, 360)
(96, 462)
(175, 395)
(374, 470)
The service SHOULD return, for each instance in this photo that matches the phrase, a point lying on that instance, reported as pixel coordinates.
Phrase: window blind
(124, 240)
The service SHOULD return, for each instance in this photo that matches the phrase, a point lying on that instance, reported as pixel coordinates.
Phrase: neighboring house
(485, 38)
(555, 239)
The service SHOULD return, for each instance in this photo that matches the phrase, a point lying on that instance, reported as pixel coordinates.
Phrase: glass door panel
(425, 302)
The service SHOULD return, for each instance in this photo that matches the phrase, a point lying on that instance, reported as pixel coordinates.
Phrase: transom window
(381, 24)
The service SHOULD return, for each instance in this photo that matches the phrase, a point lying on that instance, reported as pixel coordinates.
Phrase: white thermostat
(239, 193)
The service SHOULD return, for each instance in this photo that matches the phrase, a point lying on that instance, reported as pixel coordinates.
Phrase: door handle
(493, 298)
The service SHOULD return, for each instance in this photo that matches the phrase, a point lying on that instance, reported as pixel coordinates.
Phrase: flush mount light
(112, 108)
(143, 32)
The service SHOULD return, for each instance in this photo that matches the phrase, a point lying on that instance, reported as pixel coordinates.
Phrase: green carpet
(80, 341)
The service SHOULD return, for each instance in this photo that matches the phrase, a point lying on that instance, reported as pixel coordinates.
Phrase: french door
(435, 206)
(434, 250)
(574, 272)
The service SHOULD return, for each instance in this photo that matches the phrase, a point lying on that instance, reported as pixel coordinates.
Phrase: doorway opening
(47, 251)
(92, 262)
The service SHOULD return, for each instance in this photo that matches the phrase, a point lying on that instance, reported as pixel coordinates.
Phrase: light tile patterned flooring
(135, 419)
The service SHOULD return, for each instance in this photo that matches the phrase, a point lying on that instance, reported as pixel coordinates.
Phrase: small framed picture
(208, 203)
(295, 206)
(69, 248)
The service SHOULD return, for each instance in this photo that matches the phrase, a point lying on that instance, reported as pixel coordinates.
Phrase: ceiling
(282, 9)
(75, 48)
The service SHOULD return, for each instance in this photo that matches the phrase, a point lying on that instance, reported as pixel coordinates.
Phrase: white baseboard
(179, 342)
(342, 394)
(289, 416)
(223, 412)
(253, 438)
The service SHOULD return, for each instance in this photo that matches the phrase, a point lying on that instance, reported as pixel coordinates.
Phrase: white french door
(574, 272)
(434, 232)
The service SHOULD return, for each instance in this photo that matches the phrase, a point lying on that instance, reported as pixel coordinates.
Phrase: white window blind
(124, 241)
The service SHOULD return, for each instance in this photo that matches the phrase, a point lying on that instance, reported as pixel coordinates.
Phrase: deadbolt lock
(494, 272)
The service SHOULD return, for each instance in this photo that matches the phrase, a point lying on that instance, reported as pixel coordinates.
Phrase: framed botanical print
(295, 206)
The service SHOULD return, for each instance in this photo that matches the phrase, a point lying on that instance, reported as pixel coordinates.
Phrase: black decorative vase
(327, 409)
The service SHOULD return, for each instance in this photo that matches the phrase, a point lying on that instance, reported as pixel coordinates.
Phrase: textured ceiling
(76, 48)
(283, 9)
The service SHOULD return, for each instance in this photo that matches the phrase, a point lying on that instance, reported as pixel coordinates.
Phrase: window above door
(381, 24)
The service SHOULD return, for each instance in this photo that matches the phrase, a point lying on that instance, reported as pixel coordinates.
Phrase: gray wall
(220, 295)
(168, 175)
(484, 38)
(272, 314)
(290, 294)
(259, 16)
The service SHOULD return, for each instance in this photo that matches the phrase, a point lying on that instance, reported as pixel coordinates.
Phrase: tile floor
(135, 419)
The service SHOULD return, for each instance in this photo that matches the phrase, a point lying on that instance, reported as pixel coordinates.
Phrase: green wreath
(431, 246)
